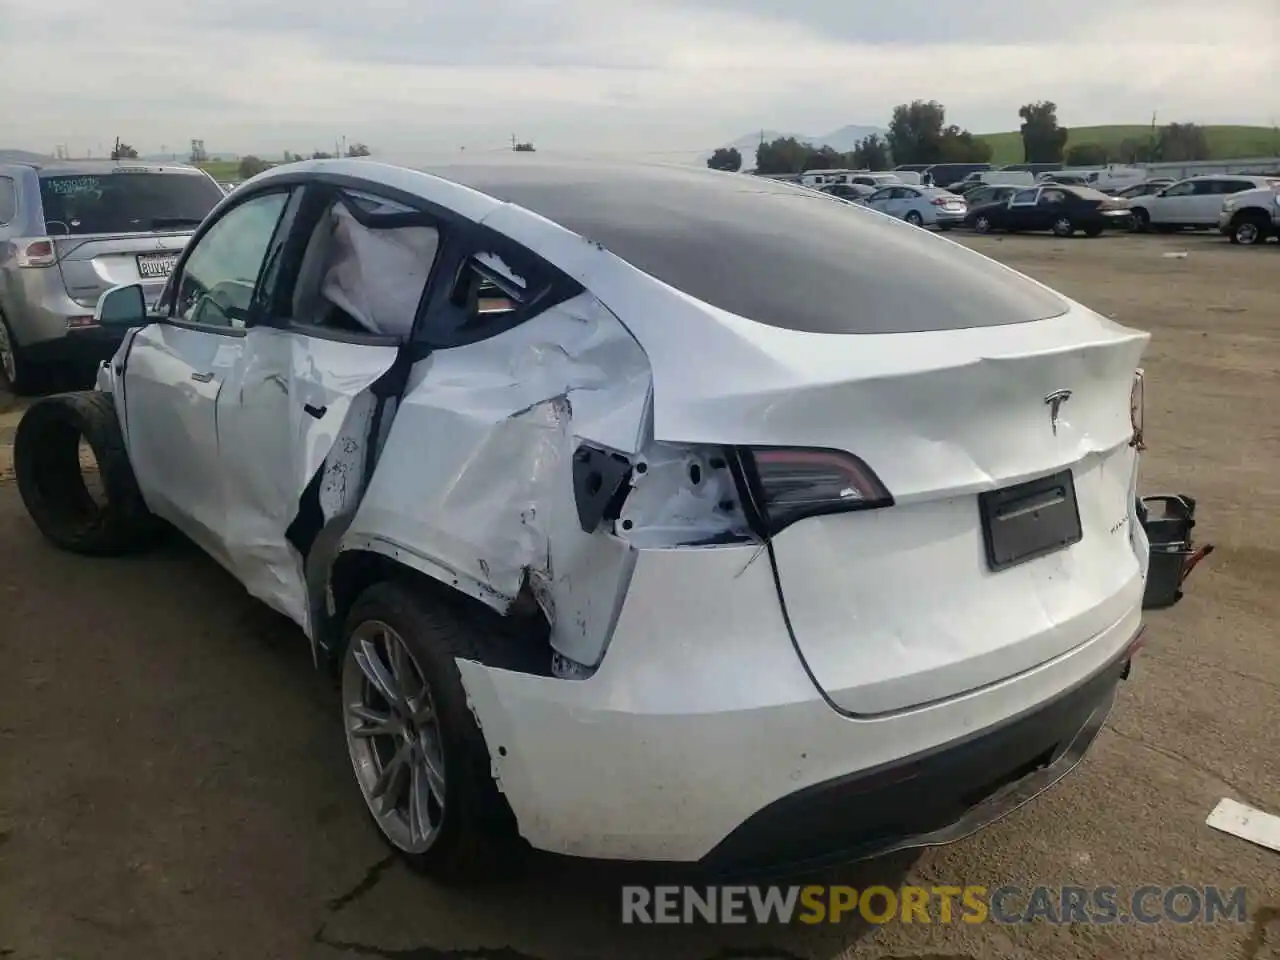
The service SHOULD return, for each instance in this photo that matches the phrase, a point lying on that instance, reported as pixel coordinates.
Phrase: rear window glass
(819, 267)
(119, 202)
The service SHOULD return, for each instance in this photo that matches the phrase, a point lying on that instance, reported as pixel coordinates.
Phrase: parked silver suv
(69, 231)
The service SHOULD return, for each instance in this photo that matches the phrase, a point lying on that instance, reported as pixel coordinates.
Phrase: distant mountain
(846, 138)
(842, 140)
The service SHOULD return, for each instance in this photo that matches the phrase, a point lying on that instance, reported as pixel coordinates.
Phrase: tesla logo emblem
(1055, 401)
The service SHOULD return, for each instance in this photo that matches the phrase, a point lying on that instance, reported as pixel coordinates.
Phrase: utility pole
(513, 143)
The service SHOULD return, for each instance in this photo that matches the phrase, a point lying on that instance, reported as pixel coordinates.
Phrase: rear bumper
(934, 797)
(38, 307)
(701, 719)
(84, 347)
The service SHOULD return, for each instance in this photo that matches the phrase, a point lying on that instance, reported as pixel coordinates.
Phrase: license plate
(1029, 520)
(156, 266)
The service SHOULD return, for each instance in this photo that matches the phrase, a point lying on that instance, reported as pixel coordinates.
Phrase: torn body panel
(475, 484)
(294, 418)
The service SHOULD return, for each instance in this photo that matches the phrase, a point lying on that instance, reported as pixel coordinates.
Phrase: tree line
(251, 166)
(918, 133)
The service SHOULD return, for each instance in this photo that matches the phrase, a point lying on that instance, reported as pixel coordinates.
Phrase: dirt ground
(173, 781)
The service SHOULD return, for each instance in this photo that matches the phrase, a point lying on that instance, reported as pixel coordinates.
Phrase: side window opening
(493, 284)
(365, 267)
(486, 287)
(218, 279)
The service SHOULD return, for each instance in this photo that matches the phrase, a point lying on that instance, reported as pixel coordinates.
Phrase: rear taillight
(941, 201)
(1137, 410)
(786, 484)
(36, 253)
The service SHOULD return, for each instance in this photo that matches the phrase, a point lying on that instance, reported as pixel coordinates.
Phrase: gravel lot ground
(173, 781)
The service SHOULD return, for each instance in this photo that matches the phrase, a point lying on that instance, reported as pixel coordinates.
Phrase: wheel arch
(369, 561)
(1251, 214)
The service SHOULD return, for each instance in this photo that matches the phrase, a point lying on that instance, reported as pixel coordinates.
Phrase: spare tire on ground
(52, 482)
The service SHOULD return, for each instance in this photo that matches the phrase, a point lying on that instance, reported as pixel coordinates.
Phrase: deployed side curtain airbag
(377, 276)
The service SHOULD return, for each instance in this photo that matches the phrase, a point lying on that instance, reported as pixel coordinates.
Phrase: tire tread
(124, 524)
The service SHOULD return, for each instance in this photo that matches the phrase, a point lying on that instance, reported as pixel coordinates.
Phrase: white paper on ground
(1247, 823)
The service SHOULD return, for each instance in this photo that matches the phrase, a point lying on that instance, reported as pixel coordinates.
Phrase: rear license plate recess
(1029, 520)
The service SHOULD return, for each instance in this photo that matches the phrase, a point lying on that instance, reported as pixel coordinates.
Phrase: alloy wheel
(982, 225)
(1247, 233)
(1063, 227)
(393, 737)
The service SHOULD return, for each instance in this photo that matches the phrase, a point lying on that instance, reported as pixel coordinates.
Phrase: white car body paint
(700, 715)
(272, 447)
(695, 710)
(487, 432)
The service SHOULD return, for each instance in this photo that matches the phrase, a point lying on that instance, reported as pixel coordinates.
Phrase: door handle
(202, 377)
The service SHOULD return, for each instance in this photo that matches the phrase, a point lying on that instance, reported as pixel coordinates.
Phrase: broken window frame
(448, 323)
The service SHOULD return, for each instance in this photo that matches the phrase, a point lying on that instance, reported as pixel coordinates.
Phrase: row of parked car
(1244, 208)
(70, 230)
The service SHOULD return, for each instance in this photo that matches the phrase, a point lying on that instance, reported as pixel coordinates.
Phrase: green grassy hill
(1226, 142)
(227, 169)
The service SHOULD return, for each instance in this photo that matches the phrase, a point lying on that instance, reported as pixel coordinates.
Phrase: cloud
(663, 75)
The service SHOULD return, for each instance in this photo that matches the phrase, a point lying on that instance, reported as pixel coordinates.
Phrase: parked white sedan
(921, 206)
(627, 526)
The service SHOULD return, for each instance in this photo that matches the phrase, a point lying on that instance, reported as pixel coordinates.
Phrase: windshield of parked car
(126, 202)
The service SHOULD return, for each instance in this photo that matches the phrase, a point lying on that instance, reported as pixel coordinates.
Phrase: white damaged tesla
(641, 512)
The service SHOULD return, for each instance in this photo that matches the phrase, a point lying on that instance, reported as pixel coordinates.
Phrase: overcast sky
(417, 77)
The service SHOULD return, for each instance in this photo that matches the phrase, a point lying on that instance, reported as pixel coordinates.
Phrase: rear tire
(16, 372)
(982, 225)
(51, 481)
(473, 837)
(1141, 220)
(913, 217)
